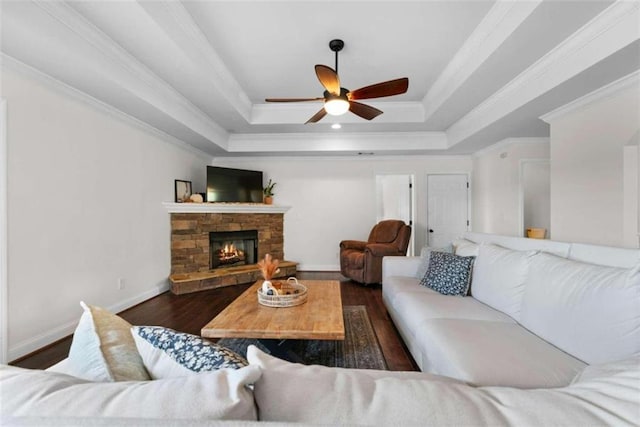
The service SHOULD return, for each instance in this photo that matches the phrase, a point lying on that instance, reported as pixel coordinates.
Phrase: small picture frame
(182, 191)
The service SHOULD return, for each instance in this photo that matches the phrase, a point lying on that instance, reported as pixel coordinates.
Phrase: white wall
(535, 177)
(631, 195)
(334, 199)
(84, 208)
(587, 168)
(495, 187)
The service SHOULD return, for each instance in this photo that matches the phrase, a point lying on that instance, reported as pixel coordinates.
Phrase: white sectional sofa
(538, 312)
(549, 336)
(283, 393)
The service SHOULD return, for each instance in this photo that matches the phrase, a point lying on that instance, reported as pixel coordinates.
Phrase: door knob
(430, 230)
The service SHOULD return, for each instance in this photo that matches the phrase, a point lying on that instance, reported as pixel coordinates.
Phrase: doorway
(395, 200)
(535, 195)
(447, 208)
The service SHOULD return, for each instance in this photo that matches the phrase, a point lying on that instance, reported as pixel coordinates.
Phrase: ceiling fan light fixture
(336, 106)
(338, 100)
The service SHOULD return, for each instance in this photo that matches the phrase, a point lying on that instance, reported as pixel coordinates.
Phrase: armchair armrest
(382, 249)
(353, 244)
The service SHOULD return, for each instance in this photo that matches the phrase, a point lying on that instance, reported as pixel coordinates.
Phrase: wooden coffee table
(320, 318)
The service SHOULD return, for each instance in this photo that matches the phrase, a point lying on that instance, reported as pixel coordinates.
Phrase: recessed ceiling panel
(272, 47)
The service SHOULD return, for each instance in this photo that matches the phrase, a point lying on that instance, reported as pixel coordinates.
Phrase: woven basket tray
(290, 294)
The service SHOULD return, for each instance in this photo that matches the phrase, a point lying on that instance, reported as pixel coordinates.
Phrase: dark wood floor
(189, 312)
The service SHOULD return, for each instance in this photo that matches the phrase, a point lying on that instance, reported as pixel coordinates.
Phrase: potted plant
(268, 192)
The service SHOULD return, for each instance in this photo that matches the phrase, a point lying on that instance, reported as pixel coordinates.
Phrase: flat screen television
(233, 185)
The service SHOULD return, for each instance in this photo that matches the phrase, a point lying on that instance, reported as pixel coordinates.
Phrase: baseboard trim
(42, 340)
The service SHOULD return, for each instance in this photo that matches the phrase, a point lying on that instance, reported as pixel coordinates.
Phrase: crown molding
(179, 25)
(507, 142)
(288, 113)
(135, 77)
(70, 91)
(337, 142)
(613, 29)
(501, 21)
(604, 92)
(352, 157)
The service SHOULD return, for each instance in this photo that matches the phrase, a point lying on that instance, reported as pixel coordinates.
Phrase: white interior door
(394, 200)
(447, 208)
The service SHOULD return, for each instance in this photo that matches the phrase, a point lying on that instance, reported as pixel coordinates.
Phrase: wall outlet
(120, 283)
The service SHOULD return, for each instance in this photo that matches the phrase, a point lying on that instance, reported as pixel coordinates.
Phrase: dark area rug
(360, 349)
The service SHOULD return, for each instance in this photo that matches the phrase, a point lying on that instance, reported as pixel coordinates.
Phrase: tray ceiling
(199, 71)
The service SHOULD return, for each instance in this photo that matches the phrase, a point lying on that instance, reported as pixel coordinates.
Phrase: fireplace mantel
(223, 208)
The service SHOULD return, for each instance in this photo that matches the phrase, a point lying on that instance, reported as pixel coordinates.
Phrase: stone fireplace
(215, 245)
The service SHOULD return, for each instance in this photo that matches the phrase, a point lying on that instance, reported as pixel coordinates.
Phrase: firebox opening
(233, 248)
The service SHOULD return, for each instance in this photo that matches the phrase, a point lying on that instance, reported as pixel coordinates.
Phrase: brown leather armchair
(362, 261)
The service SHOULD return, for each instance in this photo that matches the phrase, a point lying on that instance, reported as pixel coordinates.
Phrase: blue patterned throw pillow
(425, 254)
(448, 274)
(167, 353)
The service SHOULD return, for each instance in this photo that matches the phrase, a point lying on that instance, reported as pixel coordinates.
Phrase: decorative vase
(268, 200)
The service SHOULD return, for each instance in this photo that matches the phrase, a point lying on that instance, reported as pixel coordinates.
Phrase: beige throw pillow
(103, 348)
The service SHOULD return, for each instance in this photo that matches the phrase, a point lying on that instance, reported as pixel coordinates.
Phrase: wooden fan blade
(317, 116)
(328, 78)
(363, 110)
(292, 99)
(378, 90)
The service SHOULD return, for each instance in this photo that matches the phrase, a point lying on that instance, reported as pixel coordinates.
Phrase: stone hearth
(190, 227)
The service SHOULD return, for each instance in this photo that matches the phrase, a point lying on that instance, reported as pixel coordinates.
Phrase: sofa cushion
(592, 312)
(220, 394)
(344, 396)
(397, 285)
(604, 255)
(521, 243)
(499, 275)
(103, 349)
(448, 274)
(320, 395)
(406, 266)
(418, 307)
(604, 371)
(464, 247)
(167, 353)
(493, 353)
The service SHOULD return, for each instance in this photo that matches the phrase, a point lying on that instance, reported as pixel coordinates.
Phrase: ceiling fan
(338, 100)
